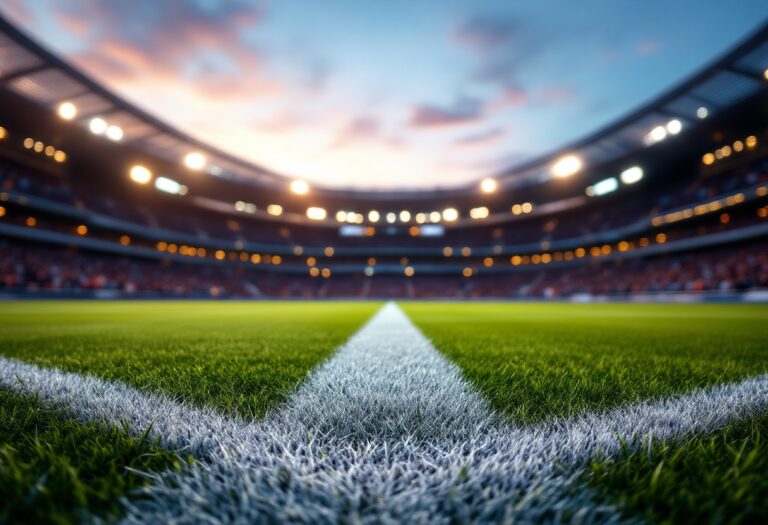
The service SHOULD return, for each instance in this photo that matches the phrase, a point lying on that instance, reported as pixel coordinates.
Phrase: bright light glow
(765, 74)
(391, 217)
(315, 213)
(603, 187)
(434, 216)
(67, 110)
(300, 187)
(167, 185)
(450, 214)
(194, 160)
(479, 213)
(275, 209)
(369, 271)
(97, 125)
(405, 216)
(115, 133)
(374, 216)
(674, 127)
(341, 216)
(59, 156)
(632, 175)
(408, 271)
(3, 133)
(140, 174)
(702, 112)
(526, 207)
(488, 185)
(421, 218)
(657, 134)
(567, 166)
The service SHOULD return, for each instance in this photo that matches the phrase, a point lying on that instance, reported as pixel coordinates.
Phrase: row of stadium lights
(705, 208)
(408, 271)
(563, 167)
(448, 251)
(726, 151)
(38, 146)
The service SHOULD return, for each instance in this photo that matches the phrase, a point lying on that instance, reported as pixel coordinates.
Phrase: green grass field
(539, 361)
(241, 358)
(533, 363)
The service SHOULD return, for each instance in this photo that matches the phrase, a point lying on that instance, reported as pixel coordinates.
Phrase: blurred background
(439, 150)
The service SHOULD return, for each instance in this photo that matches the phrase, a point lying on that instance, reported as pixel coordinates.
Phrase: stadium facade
(100, 198)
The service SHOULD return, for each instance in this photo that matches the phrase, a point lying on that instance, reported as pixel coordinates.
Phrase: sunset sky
(387, 94)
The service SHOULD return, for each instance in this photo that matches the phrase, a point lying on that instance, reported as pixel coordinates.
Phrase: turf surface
(541, 361)
(53, 468)
(242, 358)
(717, 478)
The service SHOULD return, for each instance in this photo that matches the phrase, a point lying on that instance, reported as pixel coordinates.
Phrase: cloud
(503, 45)
(484, 34)
(463, 111)
(482, 138)
(192, 41)
(358, 129)
(16, 10)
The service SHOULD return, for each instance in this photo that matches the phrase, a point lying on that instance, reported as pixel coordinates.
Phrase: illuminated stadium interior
(654, 202)
(517, 272)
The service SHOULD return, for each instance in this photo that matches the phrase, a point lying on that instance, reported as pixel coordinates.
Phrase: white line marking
(385, 431)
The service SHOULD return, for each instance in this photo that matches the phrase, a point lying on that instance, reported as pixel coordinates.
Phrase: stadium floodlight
(194, 160)
(421, 218)
(603, 187)
(702, 112)
(300, 187)
(632, 175)
(434, 216)
(566, 166)
(405, 216)
(674, 127)
(341, 216)
(657, 134)
(275, 209)
(67, 110)
(115, 133)
(97, 125)
(167, 185)
(450, 214)
(488, 185)
(316, 214)
(391, 217)
(140, 175)
(479, 213)
(374, 216)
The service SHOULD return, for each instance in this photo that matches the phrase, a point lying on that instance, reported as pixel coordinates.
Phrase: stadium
(188, 335)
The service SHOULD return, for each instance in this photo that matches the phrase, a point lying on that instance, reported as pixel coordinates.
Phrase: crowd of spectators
(27, 269)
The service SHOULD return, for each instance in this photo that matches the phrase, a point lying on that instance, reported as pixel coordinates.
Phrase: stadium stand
(672, 198)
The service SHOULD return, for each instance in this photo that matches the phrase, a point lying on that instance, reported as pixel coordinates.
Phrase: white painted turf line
(386, 431)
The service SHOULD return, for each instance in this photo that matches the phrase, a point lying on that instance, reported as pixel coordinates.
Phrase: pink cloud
(463, 111)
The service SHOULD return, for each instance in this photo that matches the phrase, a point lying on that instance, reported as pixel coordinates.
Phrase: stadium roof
(32, 71)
